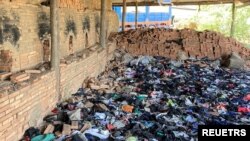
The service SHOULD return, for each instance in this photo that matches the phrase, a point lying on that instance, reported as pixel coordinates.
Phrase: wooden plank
(243, 5)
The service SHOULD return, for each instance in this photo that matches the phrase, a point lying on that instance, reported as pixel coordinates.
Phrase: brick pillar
(55, 56)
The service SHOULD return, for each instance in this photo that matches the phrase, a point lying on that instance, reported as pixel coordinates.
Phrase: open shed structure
(49, 47)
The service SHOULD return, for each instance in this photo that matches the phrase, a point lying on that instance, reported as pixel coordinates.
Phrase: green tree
(218, 18)
(242, 27)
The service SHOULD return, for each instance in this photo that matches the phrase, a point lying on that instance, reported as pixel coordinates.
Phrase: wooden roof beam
(177, 2)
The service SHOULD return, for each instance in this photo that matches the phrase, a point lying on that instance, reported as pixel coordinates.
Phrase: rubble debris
(19, 77)
(232, 61)
(94, 87)
(86, 126)
(75, 115)
(50, 128)
(75, 125)
(182, 56)
(43, 66)
(154, 99)
(103, 107)
(33, 71)
(5, 75)
(169, 42)
(236, 61)
(89, 104)
(91, 83)
(63, 64)
(5, 86)
(66, 129)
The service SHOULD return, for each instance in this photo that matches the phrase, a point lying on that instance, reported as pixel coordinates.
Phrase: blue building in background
(158, 16)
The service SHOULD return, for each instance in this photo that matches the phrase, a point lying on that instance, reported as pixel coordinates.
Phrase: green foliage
(212, 18)
(218, 18)
(242, 29)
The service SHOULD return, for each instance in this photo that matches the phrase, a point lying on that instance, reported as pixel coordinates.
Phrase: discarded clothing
(157, 99)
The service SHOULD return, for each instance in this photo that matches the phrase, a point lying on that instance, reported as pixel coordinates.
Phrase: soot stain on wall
(43, 25)
(97, 23)
(46, 3)
(86, 24)
(9, 31)
(70, 27)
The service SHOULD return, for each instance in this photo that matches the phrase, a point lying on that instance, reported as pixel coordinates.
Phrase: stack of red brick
(163, 42)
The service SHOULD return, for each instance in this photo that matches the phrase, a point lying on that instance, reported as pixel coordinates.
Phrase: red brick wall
(31, 18)
(73, 75)
(27, 106)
